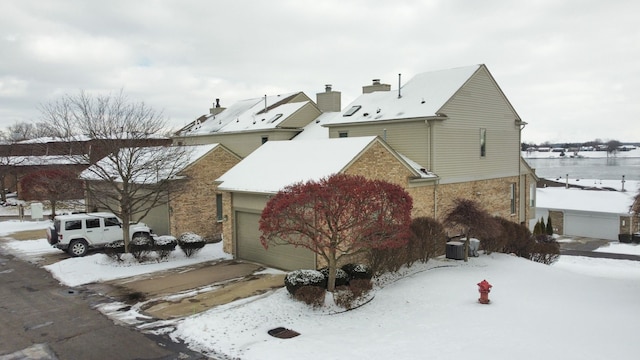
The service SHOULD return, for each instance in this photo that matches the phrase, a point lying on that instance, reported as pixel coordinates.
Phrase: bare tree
(130, 179)
(53, 185)
(612, 146)
(8, 164)
(19, 131)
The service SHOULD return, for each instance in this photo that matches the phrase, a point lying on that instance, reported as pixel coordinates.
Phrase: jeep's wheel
(78, 248)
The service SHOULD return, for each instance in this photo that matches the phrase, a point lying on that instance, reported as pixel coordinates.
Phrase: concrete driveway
(188, 290)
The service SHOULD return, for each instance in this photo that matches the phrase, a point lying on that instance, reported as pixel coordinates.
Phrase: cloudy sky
(571, 68)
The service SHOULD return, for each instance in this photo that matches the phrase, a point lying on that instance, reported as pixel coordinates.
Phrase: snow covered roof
(277, 164)
(315, 129)
(246, 115)
(45, 160)
(145, 156)
(585, 200)
(84, 138)
(49, 139)
(422, 96)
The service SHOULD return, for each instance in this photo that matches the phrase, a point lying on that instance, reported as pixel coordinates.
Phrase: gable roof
(249, 114)
(277, 164)
(422, 96)
(616, 202)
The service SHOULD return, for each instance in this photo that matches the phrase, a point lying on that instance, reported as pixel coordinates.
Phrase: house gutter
(385, 121)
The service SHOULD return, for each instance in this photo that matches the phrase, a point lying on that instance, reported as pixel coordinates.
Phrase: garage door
(286, 257)
(599, 226)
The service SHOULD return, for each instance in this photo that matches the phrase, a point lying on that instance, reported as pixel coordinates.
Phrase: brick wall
(557, 220)
(194, 209)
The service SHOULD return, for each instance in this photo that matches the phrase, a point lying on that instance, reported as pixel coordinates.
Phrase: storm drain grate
(283, 333)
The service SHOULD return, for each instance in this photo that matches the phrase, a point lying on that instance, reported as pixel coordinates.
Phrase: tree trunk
(3, 193)
(466, 247)
(125, 234)
(331, 282)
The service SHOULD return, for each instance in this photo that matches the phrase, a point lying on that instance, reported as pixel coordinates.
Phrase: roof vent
(327, 88)
(376, 81)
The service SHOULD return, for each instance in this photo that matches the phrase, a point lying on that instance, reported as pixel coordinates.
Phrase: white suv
(77, 233)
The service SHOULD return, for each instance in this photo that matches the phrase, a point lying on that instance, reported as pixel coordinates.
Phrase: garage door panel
(248, 247)
(599, 226)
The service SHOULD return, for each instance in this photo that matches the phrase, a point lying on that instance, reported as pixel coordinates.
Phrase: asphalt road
(39, 319)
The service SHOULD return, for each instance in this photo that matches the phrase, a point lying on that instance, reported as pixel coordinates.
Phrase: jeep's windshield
(111, 221)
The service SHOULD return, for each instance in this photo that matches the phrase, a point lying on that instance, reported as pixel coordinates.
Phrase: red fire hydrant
(484, 288)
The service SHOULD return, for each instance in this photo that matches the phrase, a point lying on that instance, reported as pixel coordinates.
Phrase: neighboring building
(247, 124)
(443, 135)
(25, 157)
(599, 214)
(197, 206)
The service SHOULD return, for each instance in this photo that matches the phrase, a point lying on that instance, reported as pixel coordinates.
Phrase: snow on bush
(190, 237)
(165, 240)
(190, 243)
(299, 278)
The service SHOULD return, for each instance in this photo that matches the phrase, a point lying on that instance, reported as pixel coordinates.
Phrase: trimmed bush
(497, 241)
(357, 271)
(428, 240)
(164, 245)
(140, 247)
(190, 243)
(347, 297)
(386, 260)
(115, 249)
(342, 278)
(545, 250)
(360, 287)
(299, 278)
(311, 295)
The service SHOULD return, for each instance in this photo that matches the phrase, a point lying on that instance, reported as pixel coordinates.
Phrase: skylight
(273, 119)
(352, 111)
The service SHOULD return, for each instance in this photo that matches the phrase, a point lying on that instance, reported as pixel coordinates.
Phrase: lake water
(611, 168)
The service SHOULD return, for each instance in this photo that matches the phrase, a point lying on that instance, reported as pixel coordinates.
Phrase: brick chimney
(375, 86)
(216, 109)
(329, 100)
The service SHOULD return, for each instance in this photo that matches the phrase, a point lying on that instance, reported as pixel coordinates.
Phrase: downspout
(430, 166)
(522, 197)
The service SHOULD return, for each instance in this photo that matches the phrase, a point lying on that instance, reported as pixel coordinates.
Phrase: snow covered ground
(579, 308)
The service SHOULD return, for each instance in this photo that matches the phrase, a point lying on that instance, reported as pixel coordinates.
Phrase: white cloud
(567, 67)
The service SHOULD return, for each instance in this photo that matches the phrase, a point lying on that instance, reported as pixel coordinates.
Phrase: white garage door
(599, 226)
(286, 257)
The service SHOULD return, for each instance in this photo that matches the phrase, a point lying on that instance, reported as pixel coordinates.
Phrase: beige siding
(158, 219)
(233, 203)
(479, 104)
(286, 257)
(302, 117)
(408, 138)
(241, 144)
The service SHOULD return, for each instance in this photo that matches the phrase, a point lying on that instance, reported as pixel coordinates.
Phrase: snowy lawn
(536, 312)
(579, 308)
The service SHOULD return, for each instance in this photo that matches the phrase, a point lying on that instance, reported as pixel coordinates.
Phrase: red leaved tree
(53, 185)
(338, 216)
